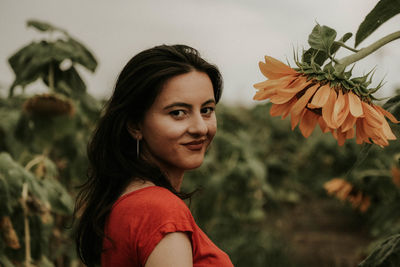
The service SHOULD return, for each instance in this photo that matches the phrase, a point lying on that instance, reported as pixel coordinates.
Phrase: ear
(134, 130)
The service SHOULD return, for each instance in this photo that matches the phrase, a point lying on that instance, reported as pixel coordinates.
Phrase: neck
(175, 177)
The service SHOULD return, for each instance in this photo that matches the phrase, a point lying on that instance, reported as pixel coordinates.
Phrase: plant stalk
(363, 52)
(28, 257)
(51, 77)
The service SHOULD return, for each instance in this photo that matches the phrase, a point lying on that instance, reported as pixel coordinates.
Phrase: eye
(178, 114)
(207, 111)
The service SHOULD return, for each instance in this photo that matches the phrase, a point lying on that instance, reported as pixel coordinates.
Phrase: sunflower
(314, 97)
(345, 191)
(49, 105)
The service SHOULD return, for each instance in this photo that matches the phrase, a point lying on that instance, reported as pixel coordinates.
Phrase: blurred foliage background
(268, 197)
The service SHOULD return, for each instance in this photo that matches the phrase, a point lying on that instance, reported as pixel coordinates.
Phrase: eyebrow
(182, 104)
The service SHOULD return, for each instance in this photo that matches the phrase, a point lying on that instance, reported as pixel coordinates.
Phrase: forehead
(190, 87)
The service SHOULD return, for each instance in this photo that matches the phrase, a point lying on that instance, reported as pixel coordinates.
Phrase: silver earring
(137, 147)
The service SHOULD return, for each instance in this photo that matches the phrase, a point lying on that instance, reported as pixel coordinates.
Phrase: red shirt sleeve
(162, 213)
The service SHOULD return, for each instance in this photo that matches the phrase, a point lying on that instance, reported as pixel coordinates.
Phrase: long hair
(113, 163)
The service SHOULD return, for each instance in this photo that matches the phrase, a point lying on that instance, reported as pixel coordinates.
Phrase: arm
(174, 250)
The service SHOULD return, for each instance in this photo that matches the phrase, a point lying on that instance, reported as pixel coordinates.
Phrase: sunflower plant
(321, 88)
(42, 155)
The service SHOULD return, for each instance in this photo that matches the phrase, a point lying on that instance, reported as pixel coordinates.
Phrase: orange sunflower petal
(365, 204)
(341, 137)
(386, 113)
(372, 117)
(320, 97)
(350, 133)
(348, 122)
(295, 118)
(289, 104)
(302, 102)
(334, 185)
(327, 109)
(263, 85)
(322, 125)
(282, 109)
(264, 94)
(355, 105)
(308, 123)
(375, 134)
(361, 136)
(274, 69)
(387, 131)
(292, 89)
(344, 191)
(278, 99)
(269, 88)
(273, 83)
(341, 109)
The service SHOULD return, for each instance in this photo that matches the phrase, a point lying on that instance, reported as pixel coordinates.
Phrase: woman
(157, 124)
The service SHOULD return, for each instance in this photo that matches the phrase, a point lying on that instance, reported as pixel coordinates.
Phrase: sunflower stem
(333, 59)
(51, 77)
(24, 198)
(363, 52)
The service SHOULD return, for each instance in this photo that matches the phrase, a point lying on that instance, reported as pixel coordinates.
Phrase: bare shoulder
(174, 250)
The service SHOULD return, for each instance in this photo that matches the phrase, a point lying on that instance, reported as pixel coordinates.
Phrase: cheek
(174, 132)
(212, 128)
(162, 130)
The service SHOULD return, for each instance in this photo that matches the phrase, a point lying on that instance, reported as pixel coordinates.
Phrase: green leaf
(387, 254)
(30, 62)
(74, 50)
(4, 261)
(322, 38)
(383, 11)
(60, 200)
(16, 175)
(5, 208)
(47, 190)
(73, 80)
(318, 56)
(42, 26)
(34, 60)
(68, 83)
(83, 56)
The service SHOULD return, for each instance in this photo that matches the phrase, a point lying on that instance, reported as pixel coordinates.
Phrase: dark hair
(112, 150)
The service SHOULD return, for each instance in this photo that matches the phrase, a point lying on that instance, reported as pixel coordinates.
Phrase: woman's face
(179, 126)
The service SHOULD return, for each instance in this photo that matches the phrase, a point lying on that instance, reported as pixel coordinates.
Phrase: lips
(195, 145)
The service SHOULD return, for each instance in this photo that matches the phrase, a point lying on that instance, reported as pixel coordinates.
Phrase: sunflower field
(310, 177)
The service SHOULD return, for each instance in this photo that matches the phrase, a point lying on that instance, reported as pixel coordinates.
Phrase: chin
(193, 164)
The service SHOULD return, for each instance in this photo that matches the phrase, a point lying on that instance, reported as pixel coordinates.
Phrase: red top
(140, 219)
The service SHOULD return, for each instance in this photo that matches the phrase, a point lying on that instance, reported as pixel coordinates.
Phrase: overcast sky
(233, 34)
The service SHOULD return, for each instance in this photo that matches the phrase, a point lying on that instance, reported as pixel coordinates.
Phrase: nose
(198, 125)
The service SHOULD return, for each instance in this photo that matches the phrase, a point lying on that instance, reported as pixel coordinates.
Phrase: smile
(195, 145)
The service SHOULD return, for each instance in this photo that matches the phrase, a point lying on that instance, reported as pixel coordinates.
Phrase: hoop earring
(137, 148)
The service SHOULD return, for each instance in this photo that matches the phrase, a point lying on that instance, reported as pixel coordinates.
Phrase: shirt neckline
(132, 193)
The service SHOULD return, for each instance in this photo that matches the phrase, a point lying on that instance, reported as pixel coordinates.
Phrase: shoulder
(155, 202)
